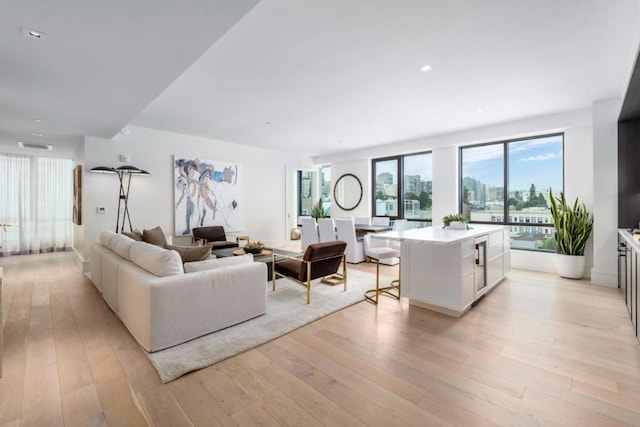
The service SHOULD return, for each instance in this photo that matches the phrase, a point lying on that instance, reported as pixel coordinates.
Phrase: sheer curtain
(36, 201)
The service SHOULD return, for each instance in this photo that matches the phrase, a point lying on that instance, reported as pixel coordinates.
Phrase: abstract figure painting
(207, 192)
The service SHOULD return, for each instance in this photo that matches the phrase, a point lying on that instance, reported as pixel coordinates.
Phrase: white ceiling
(327, 75)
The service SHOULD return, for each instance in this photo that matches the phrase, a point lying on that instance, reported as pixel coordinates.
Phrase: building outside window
(325, 189)
(408, 198)
(305, 193)
(512, 179)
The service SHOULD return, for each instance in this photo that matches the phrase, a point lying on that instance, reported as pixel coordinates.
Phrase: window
(325, 189)
(305, 193)
(37, 202)
(409, 197)
(512, 179)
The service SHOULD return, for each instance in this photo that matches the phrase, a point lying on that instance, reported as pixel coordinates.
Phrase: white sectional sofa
(161, 304)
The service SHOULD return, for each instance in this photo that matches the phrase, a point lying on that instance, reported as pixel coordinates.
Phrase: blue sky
(533, 161)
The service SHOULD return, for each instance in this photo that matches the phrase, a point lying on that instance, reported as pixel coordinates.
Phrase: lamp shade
(103, 169)
(133, 170)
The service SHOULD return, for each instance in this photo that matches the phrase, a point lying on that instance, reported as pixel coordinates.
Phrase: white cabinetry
(440, 269)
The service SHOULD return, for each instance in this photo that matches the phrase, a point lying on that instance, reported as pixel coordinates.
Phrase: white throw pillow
(156, 260)
(105, 238)
(210, 264)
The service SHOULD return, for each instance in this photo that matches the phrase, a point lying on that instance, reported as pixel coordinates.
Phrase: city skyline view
(535, 161)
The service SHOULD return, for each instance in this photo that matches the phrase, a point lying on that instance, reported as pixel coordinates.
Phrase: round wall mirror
(347, 192)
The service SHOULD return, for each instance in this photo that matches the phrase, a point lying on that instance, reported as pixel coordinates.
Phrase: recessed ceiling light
(37, 120)
(426, 68)
(267, 123)
(479, 111)
(33, 34)
(37, 134)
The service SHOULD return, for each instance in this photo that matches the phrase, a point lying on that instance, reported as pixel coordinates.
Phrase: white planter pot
(457, 225)
(570, 266)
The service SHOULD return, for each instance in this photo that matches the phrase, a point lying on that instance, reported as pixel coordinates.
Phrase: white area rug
(286, 311)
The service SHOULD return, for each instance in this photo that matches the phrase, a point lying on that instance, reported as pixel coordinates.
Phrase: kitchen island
(448, 270)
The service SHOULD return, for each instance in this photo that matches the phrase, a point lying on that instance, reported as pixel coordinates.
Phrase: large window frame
(506, 217)
(400, 159)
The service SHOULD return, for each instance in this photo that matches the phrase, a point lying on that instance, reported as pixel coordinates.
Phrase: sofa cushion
(135, 235)
(155, 236)
(191, 253)
(123, 247)
(105, 238)
(156, 260)
(192, 267)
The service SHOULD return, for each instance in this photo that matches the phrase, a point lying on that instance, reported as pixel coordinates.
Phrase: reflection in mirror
(347, 192)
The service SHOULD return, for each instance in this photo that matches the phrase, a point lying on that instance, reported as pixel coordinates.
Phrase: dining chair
(380, 220)
(309, 232)
(362, 220)
(327, 230)
(399, 224)
(347, 232)
(378, 250)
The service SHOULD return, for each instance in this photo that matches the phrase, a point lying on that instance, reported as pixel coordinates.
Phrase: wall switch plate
(101, 210)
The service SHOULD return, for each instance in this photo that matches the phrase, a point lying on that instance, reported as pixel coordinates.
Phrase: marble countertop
(438, 235)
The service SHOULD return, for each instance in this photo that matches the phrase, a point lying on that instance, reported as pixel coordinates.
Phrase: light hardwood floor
(538, 350)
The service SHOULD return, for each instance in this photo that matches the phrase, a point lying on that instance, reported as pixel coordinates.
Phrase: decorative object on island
(124, 174)
(455, 221)
(573, 226)
(206, 192)
(317, 210)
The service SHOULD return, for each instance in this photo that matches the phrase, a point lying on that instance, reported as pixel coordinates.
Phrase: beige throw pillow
(155, 236)
(135, 235)
(191, 253)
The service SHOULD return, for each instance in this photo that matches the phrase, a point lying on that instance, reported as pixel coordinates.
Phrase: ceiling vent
(35, 146)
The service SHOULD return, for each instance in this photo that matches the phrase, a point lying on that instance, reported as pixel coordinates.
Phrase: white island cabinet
(447, 270)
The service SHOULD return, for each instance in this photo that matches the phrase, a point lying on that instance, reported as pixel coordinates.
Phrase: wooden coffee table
(266, 258)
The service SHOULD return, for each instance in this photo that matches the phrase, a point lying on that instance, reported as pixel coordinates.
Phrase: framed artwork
(77, 195)
(207, 192)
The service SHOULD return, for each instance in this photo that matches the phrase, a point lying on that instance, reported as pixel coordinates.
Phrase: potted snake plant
(573, 226)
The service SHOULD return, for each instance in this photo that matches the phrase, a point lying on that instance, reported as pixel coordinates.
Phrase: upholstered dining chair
(346, 231)
(380, 220)
(362, 220)
(320, 260)
(309, 232)
(377, 250)
(327, 230)
(399, 224)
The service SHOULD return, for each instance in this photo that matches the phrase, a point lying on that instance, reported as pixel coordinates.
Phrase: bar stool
(376, 252)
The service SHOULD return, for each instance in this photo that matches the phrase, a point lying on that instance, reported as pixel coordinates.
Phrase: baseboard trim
(604, 278)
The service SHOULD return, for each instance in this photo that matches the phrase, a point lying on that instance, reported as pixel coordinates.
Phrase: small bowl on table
(249, 249)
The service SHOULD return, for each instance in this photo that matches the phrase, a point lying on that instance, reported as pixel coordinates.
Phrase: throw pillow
(156, 260)
(155, 236)
(211, 264)
(191, 253)
(135, 235)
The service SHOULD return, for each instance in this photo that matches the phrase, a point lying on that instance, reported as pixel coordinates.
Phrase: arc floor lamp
(124, 174)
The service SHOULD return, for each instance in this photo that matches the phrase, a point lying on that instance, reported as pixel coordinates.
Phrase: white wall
(362, 169)
(151, 200)
(578, 179)
(605, 189)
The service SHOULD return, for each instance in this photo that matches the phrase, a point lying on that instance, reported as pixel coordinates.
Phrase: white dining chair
(378, 250)
(380, 220)
(346, 231)
(399, 224)
(327, 230)
(362, 220)
(309, 232)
